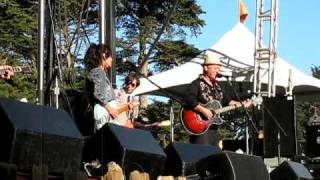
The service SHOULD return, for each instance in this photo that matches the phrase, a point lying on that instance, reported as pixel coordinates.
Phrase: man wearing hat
(202, 90)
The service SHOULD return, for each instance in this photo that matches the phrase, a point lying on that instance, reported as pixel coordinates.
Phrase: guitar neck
(226, 109)
(16, 69)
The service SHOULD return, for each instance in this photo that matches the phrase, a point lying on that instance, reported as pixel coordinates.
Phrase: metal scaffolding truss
(265, 56)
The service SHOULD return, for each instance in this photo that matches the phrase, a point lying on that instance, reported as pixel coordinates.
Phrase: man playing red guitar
(203, 90)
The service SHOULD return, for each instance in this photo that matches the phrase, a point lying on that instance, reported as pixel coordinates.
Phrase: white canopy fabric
(237, 48)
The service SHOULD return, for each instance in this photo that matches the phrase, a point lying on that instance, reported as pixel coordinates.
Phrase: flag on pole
(243, 12)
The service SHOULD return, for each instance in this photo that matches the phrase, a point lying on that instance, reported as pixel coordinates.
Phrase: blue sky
(298, 28)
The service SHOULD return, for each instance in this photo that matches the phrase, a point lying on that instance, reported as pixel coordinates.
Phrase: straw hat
(212, 59)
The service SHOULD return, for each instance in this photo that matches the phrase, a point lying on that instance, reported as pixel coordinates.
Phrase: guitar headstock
(256, 100)
(23, 69)
(164, 123)
(26, 69)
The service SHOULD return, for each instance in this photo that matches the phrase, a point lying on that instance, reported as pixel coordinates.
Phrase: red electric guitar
(196, 124)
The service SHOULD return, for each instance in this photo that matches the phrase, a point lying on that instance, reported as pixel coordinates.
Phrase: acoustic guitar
(195, 123)
(100, 112)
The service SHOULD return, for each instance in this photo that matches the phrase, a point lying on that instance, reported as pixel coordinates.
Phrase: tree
(306, 110)
(315, 71)
(142, 22)
(18, 46)
(73, 25)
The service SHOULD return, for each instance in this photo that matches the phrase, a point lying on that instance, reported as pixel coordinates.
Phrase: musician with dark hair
(131, 82)
(201, 91)
(98, 60)
(131, 118)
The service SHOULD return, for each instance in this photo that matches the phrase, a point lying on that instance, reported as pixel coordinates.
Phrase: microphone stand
(249, 117)
(56, 90)
(278, 133)
(171, 123)
(280, 129)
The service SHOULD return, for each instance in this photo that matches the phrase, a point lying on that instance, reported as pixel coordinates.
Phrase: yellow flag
(243, 12)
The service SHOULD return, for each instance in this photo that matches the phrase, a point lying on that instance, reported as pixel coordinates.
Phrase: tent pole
(41, 37)
(171, 123)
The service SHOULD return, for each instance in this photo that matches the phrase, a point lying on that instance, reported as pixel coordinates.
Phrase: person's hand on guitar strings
(112, 111)
(132, 104)
(207, 113)
(8, 72)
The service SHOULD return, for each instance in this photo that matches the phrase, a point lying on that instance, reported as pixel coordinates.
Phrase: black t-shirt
(199, 91)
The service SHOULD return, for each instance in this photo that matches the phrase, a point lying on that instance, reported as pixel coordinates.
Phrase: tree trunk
(143, 98)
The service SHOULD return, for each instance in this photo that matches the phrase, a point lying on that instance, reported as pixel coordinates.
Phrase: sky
(298, 28)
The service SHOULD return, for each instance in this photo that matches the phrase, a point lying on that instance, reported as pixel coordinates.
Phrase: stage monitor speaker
(282, 110)
(228, 165)
(290, 170)
(132, 149)
(38, 135)
(234, 145)
(77, 105)
(313, 141)
(182, 158)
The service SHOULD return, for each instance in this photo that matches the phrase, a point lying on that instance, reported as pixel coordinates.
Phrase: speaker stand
(249, 118)
(171, 123)
(279, 147)
(279, 128)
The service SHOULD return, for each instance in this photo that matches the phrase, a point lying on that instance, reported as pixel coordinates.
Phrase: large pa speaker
(132, 149)
(281, 110)
(232, 166)
(290, 170)
(38, 135)
(182, 158)
(313, 140)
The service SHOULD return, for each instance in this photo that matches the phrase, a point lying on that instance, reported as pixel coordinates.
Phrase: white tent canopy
(237, 46)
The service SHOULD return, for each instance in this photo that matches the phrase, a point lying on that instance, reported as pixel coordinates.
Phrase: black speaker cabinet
(132, 149)
(281, 110)
(313, 141)
(182, 158)
(290, 170)
(232, 166)
(234, 145)
(38, 135)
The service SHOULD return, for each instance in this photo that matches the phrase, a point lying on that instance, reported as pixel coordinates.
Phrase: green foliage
(315, 71)
(18, 28)
(75, 25)
(172, 53)
(141, 22)
(304, 110)
(234, 126)
(21, 86)
(159, 111)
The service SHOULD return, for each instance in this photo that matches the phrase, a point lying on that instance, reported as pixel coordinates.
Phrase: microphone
(219, 75)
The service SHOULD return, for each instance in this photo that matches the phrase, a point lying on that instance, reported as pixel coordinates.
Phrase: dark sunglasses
(132, 84)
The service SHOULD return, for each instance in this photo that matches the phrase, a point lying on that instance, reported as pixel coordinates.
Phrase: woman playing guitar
(98, 60)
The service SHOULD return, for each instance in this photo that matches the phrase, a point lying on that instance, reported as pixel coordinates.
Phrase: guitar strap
(129, 113)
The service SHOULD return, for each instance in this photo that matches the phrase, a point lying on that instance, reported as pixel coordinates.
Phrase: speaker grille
(232, 166)
(39, 135)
